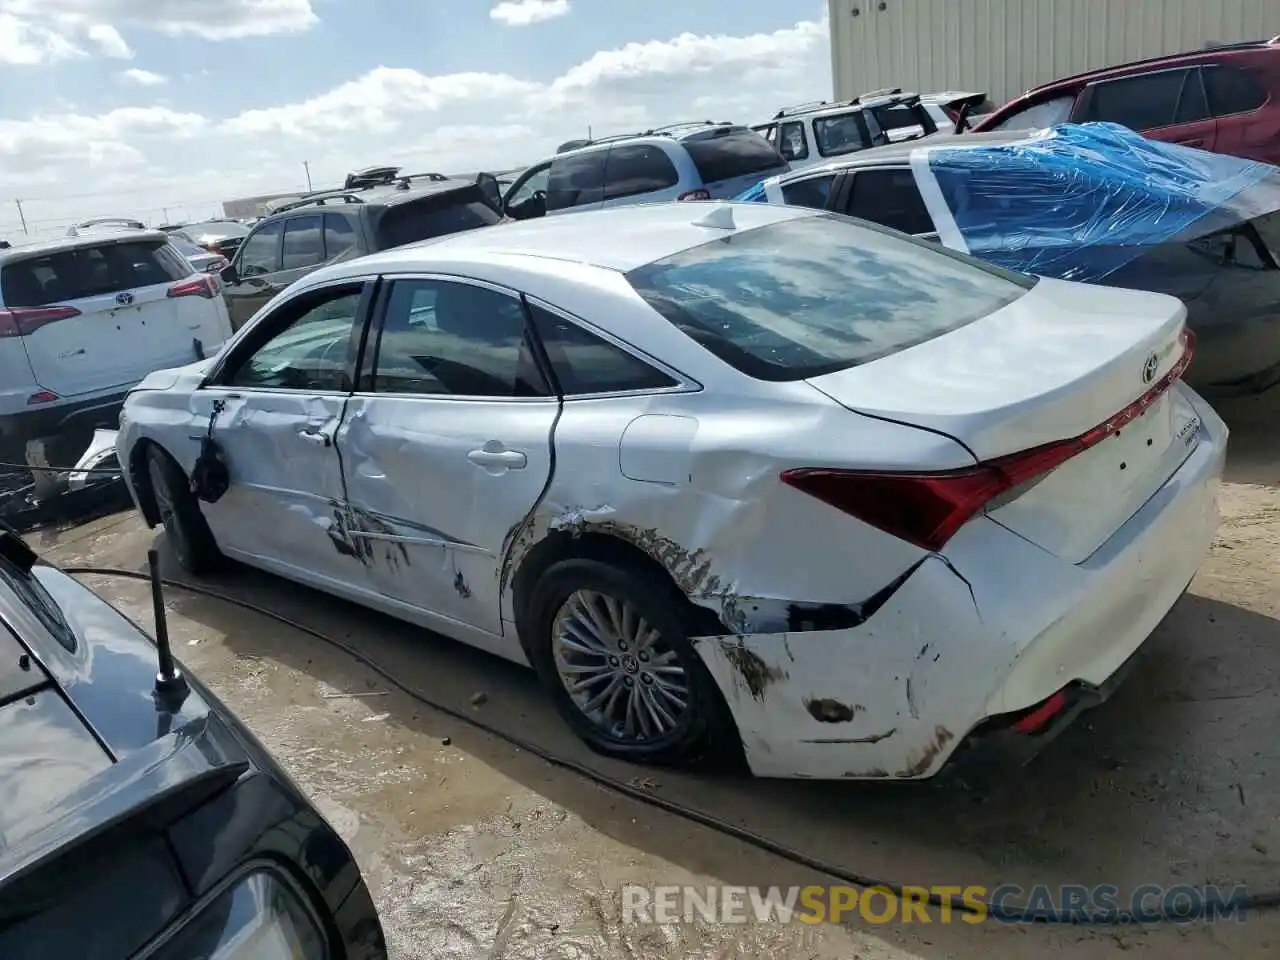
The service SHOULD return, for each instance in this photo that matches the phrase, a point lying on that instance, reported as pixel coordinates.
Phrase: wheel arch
(140, 479)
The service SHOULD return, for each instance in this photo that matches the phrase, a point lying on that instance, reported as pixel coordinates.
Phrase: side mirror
(488, 185)
(228, 274)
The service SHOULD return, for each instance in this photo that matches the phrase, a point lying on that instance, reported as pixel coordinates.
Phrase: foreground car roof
(619, 239)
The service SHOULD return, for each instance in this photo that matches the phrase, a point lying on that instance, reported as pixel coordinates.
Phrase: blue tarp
(1084, 200)
(1081, 201)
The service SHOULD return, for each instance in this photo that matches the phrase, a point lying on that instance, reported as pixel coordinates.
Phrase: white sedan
(732, 478)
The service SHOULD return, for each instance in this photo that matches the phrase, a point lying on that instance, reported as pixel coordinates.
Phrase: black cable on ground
(5, 465)
(1009, 914)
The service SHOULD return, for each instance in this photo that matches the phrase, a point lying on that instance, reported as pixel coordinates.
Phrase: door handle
(318, 437)
(498, 459)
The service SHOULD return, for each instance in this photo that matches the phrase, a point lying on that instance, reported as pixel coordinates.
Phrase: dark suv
(1224, 99)
(377, 212)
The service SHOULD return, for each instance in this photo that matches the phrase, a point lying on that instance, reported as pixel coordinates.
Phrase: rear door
(255, 266)
(639, 173)
(1169, 105)
(1247, 126)
(890, 197)
(129, 310)
(576, 181)
(446, 445)
(731, 159)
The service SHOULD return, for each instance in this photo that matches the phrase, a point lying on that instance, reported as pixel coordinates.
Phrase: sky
(161, 109)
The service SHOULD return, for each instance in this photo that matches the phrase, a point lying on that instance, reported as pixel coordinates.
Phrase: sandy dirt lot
(476, 849)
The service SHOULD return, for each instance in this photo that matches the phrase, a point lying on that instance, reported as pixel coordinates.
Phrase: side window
(792, 142)
(840, 134)
(584, 363)
(903, 116)
(260, 252)
(310, 353)
(638, 168)
(454, 339)
(576, 179)
(769, 132)
(537, 181)
(890, 198)
(1047, 114)
(303, 243)
(1140, 103)
(1231, 91)
(1193, 105)
(809, 192)
(339, 236)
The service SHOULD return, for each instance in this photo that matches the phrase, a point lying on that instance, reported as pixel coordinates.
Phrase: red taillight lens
(927, 509)
(698, 194)
(20, 321)
(41, 396)
(201, 286)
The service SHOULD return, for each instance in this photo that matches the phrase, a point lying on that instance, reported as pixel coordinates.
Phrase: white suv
(813, 133)
(83, 318)
(683, 161)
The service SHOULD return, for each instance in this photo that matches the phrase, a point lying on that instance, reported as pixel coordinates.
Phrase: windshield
(814, 295)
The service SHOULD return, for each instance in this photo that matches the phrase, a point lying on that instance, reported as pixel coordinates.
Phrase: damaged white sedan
(731, 478)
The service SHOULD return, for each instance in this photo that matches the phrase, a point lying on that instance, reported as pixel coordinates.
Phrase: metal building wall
(1004, 47)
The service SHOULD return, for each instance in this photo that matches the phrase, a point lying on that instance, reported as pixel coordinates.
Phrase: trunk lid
(1054, 365)
(126, 324)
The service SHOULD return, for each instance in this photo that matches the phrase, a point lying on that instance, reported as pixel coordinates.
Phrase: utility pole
(307, 167)
(22, 217)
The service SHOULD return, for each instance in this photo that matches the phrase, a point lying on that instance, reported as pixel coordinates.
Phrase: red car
(1224, 99)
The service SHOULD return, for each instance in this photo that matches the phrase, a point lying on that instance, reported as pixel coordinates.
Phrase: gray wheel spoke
(617, 668)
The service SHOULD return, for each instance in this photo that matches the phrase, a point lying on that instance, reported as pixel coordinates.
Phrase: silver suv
(699, 160)
(812, 133)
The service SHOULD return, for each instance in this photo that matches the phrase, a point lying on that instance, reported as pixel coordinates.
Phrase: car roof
(671, 133)
(381, 194)
(35, 246)
(639, 234)
(1152, 64)
(823, 108)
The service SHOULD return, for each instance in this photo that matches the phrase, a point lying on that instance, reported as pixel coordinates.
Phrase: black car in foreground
(138, 817)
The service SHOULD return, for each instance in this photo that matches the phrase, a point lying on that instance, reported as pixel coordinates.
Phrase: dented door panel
(433, 487)
(287, 481)
(887, 699)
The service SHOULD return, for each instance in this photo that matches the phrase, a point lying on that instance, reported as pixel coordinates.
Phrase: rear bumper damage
(992, 629)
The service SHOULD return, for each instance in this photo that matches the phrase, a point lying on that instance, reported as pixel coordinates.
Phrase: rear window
(90, 271)
(435, 216)
(732, 155)
(811, 296)
(901, 116)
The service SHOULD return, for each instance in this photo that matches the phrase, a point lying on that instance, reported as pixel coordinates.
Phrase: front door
(446, 446)
(283, 393)
(250, 282)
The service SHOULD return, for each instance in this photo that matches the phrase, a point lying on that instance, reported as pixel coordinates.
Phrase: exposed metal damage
(753, 671)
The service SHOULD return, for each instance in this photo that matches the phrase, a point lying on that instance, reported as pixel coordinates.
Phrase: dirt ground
(476, 849)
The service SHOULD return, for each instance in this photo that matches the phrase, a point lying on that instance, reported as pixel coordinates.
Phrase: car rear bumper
(994, 627)
(50, 420)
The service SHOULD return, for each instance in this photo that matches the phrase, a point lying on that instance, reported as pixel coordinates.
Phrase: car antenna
(719, 217)
(171, 685)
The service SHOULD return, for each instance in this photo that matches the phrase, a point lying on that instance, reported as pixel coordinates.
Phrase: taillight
(41, 396)
(927, 509)
(699, 194)
(201, 286)
(20, 321)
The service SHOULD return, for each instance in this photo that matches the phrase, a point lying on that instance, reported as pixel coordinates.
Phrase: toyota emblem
(1149, 368)
(124, 299)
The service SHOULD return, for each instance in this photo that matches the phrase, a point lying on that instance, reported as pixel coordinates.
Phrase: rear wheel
(184, 525)
(612, 647)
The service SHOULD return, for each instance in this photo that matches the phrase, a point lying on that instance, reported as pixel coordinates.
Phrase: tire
(185, 528)
(702, 733)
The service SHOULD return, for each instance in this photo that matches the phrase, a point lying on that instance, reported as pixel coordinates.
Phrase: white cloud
(109, 41)
(144, 78)
(376, 101)
(222, 20)
(25, 44)
(138, 160)
(521, 13)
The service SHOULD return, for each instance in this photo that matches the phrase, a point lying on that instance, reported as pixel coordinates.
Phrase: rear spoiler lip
(160, 782)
